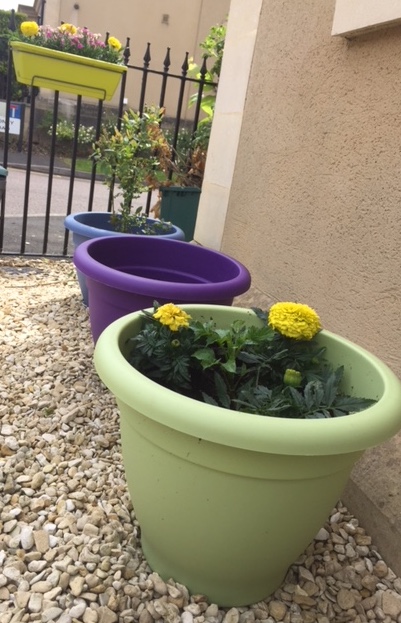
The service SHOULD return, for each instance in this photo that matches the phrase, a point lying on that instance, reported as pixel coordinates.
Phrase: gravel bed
(69, 541)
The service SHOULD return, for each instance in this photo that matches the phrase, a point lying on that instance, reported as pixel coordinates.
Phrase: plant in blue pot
(135, 159)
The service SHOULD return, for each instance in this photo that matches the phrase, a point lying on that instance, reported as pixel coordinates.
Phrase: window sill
(356, 17)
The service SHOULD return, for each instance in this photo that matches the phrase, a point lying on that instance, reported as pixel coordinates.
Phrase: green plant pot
(3, 181)
(227, 501)
(180, 206)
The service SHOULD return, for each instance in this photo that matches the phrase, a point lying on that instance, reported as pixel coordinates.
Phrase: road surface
(38, 189)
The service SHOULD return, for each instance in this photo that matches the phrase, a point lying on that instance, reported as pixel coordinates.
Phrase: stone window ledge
(355, 17)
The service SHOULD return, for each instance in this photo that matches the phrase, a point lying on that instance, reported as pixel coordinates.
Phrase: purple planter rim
(237, 281)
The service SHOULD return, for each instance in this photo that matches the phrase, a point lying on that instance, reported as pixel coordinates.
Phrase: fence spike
(203, 69)
(127, 51)
(185, 65)
(167, 61)
(12, 25)
(176, 117)
(41, 13)
(147, 58)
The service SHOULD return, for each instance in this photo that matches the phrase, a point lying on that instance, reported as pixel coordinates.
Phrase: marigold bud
(292, 378)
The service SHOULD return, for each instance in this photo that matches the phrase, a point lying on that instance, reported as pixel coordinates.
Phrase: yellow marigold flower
(29, 29)
(114, 43)
(70, 29)
(172, 316)
(294, 320)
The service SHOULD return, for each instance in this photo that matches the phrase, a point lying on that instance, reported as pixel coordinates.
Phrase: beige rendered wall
(314, 208)
(52, 11)
(186, 25)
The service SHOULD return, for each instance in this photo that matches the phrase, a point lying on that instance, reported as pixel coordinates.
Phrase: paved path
(38, 190)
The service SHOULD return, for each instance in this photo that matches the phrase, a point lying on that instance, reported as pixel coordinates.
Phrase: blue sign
(16, 117)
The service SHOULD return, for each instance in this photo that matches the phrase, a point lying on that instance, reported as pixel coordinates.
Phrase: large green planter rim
(62, 71)
(341, 435)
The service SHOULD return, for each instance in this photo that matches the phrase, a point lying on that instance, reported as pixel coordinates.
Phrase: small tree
(137, 157)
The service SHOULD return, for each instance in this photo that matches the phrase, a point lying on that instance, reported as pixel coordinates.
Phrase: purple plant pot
(87, 225)
(126, 273)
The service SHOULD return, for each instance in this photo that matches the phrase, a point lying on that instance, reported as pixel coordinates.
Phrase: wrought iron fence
(27, 232)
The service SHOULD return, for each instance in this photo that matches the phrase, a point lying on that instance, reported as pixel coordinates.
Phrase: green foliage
(5, 17)
(18, 91)
(190, 154)
(320, 398)
(65, 130)
(137, 156)
(202, 135)
(189, 163)
(253, 369)
(82, 165)
(184, 141)
(213, 47)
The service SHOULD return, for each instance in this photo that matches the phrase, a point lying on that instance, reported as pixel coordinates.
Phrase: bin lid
(3, 172)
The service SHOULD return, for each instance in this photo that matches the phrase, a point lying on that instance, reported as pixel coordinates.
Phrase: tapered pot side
(180, 206)
(88, 225)
(227, 501)
(60, 71)
(129, 273)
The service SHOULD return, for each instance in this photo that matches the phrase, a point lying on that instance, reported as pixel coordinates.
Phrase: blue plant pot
(87, 225)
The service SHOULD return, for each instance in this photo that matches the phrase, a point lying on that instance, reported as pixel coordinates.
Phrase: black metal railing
(19, 241)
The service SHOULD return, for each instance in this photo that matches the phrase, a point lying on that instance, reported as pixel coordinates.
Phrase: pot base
(224, 521)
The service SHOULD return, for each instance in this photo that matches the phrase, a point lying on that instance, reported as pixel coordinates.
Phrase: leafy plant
(18, 91)
(189, 151)
(137, 156)
(274, 369)
(189, 164)
(213, 47)
(65, 130)
(190, 154)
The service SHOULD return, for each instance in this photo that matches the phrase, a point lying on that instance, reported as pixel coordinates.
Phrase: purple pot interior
(128, 273)
(161, 274)
(140, 264)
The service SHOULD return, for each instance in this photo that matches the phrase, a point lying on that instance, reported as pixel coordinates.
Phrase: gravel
(69, 540)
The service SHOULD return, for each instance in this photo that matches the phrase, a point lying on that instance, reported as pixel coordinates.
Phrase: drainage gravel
(70, 548)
